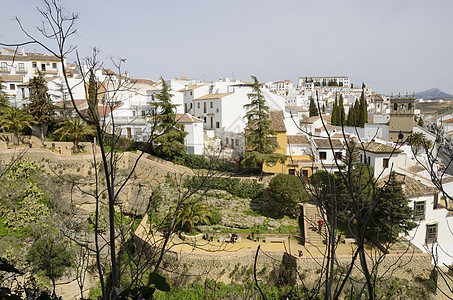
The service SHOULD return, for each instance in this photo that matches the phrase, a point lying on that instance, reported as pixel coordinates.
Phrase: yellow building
(299, 161)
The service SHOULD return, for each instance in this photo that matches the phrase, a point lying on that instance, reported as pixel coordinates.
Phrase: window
(133, 113)
(305, 173)
(322, 155)
(212, 104)
(292, 171)
(419, 210)
(198, 106)
(204, 107)
(217, 124)
(4, 67)
(204, 119)
(143, 113)
(395, 106)
(54, 65)
(369, 161)
(212, 122)
(232, 143)
(191, 93)
(237, 142)
(12, 86)
(21, 67)
(409, 106)
(431, 233)
(338, 155)
(43, 67)
(138, 131)
(385, 163)
(190, 105)
(34, 64)
(226, 141)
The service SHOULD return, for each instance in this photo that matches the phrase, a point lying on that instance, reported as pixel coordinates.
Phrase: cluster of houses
(213, 115)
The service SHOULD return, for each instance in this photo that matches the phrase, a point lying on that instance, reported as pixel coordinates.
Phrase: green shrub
(216, 216)
(287, 192)
(245, 188)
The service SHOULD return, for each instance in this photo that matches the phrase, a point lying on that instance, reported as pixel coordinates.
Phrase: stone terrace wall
(148, 170)
(238, 266)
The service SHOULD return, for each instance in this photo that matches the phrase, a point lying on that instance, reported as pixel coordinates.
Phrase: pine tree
(40, 105)
(313, 108)
(260, 144)
(392, 214)
(341, 115)
(170, 142)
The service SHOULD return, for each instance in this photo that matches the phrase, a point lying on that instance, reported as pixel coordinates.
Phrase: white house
(381, 157)
(224, 113)
(194, 140)
(327, 154)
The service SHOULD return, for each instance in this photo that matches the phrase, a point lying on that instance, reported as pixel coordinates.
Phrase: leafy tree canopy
(287, 192)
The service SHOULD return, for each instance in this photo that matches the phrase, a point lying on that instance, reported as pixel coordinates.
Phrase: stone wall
(135, 195)
(149, 170)
(238, 267)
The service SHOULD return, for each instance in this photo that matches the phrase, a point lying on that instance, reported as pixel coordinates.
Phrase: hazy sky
(391, 45)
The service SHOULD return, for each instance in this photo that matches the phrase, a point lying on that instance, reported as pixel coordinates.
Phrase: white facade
(224, 112)
(324, 80)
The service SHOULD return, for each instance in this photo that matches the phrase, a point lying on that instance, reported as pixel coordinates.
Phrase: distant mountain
(432, 94)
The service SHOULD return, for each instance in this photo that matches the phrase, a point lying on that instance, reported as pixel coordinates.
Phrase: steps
(312, 216)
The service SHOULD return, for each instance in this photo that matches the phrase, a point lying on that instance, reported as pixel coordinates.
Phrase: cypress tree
(333, 120)
(364, 109)
(420, 122)
(341, 114)
(93, 113)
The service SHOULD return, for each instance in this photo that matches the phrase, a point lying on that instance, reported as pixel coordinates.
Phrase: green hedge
(245, 188)
(196, 161)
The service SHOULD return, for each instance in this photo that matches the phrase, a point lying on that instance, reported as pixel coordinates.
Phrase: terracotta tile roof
(213, 96)
(416, 169)
(41, 57)
(80, 104)
(296, 108)
(300, 161)
(309, 120)
(11, 78)
(299, 139)
(278, 120)
(191, 88)
(448, 121)
(412, 187)
(378, 148)
(143, 81)
(324, 143)
(10, 57)
(107, 109)
(187, 118)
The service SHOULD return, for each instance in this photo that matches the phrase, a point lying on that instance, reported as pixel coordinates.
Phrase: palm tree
(75, 130)
(190, 215)
(14, 119)
(416, 140)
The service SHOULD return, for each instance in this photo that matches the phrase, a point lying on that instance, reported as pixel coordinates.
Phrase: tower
(401, 118)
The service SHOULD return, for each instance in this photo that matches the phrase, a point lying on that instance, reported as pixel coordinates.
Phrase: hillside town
(312, 124)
